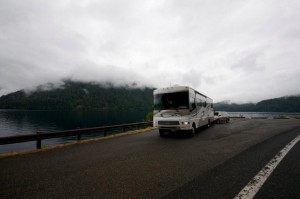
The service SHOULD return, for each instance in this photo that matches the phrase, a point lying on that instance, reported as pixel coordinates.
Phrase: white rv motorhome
(181, 108)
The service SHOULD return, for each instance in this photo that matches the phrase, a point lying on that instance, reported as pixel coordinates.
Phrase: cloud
(248, 62)
(229, 50)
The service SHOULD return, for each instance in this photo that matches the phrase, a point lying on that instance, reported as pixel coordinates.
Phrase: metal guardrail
(39, 136)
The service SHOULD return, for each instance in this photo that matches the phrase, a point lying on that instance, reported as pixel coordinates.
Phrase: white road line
(255, 184)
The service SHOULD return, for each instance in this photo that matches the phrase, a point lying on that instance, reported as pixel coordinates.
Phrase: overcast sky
(237, 50)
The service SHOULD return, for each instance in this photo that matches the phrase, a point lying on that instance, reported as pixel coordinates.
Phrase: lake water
(17, 122)
(267, 115)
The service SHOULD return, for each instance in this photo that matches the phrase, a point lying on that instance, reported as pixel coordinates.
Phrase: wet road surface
(216, 163)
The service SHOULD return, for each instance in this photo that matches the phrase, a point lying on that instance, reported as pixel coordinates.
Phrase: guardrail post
(78, 135)
(104, 133)
(38, 143)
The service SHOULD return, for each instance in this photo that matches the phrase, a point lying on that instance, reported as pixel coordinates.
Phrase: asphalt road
(216, 163)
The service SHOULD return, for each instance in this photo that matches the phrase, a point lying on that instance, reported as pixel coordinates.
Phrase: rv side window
(198, 102)
(192, 101)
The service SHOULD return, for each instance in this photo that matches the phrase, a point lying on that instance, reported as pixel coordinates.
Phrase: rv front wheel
(192, 131)
(161, 133)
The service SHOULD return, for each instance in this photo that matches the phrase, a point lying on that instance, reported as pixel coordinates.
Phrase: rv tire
(193, 131)
(162, 133)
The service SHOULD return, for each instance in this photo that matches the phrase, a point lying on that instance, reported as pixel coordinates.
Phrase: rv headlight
(185, 123)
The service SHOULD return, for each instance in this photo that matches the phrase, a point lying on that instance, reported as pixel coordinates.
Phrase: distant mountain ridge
(282, 104)
(95, 96)
(80, 96)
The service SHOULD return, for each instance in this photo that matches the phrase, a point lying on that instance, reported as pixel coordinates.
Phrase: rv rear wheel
(208, 124)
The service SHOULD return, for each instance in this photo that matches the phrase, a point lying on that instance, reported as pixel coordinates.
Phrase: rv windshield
(166, 101)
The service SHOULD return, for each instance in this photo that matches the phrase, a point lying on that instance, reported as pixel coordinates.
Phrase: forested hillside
(80, 96)
(93, 96)
(283, 104)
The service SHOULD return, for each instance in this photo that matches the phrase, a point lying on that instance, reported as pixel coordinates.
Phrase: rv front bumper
(172, 125)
